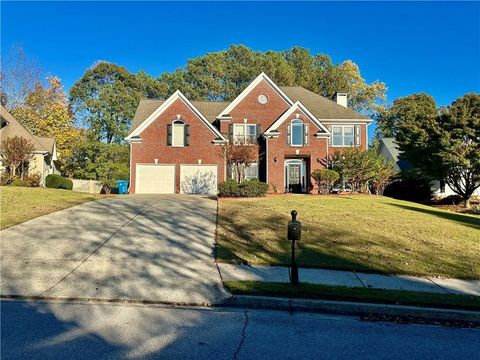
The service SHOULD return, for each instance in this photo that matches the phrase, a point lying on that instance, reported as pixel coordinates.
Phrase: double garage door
(160, 179)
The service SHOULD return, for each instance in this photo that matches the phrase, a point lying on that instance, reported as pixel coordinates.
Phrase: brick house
(175, 145)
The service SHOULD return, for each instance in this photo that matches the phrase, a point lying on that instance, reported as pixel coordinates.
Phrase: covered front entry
(295, 176)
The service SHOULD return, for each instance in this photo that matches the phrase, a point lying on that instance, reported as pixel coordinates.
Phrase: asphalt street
(60, 330)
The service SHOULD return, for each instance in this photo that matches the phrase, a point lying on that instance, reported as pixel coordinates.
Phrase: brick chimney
(341, 99)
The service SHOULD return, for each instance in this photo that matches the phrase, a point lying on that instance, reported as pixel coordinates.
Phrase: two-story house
(176, 144)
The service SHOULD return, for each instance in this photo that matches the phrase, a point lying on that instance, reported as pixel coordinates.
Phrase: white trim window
(297, 133)
(244, 134)
(251, 171)
(178, 134)
(343, 136)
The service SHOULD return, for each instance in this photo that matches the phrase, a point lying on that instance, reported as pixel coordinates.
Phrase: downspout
(130, 166)
(266, 159)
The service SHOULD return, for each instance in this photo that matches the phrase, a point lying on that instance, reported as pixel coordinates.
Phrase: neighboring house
(389, 149)
(44, 159)
(175, 145)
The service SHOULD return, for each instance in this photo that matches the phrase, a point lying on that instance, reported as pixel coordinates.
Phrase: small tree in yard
(364, 169)
(239, 157)
(16, 152)
(384, 174)
(325, 179)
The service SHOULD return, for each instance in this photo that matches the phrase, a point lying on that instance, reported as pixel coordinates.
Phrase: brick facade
(278, 151)
(273, 152)
(154, 144)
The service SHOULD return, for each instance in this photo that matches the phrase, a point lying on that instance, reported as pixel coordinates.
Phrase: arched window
(178, 134)
(297, 133)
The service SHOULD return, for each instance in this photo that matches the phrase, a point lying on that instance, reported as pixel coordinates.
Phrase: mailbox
(294, 233)
(294, 228)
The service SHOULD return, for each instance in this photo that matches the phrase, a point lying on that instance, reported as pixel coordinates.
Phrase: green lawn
(19, 204)
(362, 233)
(311, 291)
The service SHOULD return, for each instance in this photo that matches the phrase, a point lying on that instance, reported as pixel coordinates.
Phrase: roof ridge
(24, 128)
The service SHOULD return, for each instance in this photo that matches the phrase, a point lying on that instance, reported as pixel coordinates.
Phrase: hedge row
(248, 188)
(56, 181)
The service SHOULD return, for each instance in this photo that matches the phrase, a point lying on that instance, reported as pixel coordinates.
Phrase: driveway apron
(149, 248)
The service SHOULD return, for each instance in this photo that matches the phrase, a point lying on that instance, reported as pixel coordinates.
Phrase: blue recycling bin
(122, 186)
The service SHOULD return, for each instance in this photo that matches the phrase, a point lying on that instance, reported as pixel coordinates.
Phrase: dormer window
(178, 134)
(297, 133)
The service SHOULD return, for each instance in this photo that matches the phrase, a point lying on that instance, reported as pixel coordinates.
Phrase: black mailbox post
(294, 232)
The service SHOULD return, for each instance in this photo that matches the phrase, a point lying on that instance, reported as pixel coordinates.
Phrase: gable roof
(297, 106)
(321, 107)
(209, 109)
(11, 127)
(389, 149)
(250, 87)
(155, 108)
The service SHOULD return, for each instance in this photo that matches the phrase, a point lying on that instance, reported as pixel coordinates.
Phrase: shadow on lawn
(279, 252)
(339, 248)
(459, 218)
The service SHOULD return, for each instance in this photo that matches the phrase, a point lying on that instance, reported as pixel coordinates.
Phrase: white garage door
(155, 179)
(198, 179)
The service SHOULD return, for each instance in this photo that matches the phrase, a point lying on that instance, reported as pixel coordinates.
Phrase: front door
(295, 178)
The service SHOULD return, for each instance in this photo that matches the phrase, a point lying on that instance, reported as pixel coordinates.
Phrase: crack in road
(242, 339)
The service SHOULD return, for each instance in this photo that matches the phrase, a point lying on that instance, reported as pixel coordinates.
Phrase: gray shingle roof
(320, 106)
(209, 109)
(15, 128)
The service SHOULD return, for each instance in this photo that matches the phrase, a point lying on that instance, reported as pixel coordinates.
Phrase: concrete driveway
(153, 248)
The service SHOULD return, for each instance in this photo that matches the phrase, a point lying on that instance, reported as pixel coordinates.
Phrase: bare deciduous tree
(19, 76)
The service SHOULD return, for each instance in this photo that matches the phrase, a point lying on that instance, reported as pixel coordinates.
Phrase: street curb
(109, 301)
(351, 308)
(286, 304)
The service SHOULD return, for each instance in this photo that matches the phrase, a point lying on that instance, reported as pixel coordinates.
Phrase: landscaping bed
(19, 204)
(354, 232)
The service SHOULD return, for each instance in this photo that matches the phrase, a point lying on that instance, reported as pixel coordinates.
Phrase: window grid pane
(251, 172)
(297, 133)
(348, 136)
(178, 135)
(337, 136)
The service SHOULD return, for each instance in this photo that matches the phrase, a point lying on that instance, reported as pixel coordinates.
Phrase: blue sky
(432, 47)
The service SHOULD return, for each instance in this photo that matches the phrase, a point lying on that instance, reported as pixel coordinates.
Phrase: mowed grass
(19, 204)
(313, 291)
(361, 233)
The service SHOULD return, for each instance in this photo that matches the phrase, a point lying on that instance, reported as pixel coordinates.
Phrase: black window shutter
(169, 135)
(230, 132)
(187, 135)
(288, 134)
(259, 131)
